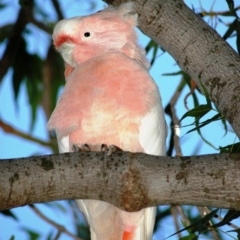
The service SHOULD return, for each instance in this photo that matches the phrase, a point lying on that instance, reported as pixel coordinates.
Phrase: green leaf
(191, 236)
(231, 29)
(224, 123)
(56, 205)
(199, 225)
(50, 236)
(227, 14)
(187, 79)
(34, 83)
(206, 122)
(237, 231)
(202, 124)
(173, 74)
(83, 232)
(160, 216)
(152, 46)
(2, 5)
(231, 214)
(9, 213)
(230, 4)
(19, 67)
(28, 69)
(12, 237)
(205, 93)
(31, 234)
(238, 36)
(26, 3)
(58, 79)
(232, 148)
(5, 31)
(197, 112)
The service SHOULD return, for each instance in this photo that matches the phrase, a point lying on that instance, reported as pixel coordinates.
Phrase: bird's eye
(87, 34)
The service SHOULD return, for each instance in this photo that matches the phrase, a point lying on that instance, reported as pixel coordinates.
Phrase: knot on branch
(134, 195)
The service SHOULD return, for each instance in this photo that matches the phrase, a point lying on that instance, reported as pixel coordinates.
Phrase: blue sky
(13, 147)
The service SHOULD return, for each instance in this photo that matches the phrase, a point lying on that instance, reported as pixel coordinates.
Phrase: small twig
(183, 216)
(9, 129)
(220, 219)
(58, 235)
(58, 9)
(175, 219)
(40, 25)
(175, 125)
(213, 14)
(214, 232)
(193, 87)
(60, 228)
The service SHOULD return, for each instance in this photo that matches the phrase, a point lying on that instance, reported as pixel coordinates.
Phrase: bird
(109, 99)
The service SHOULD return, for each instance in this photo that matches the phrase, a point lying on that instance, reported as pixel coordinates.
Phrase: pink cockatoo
(109, 98)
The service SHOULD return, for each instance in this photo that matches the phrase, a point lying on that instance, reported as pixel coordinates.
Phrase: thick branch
(130, 181)
(198, 50)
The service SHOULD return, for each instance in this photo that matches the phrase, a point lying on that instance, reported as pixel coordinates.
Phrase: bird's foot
(83, 148)
(110, 149)
(103, 148)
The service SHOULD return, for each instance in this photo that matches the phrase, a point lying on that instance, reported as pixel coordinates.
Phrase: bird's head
(79, 39)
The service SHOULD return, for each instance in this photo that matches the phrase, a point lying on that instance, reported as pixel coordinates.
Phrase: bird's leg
(110, 149)
(83, 148)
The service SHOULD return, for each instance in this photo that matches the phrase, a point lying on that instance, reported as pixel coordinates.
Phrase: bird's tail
(108, 222)
(128, 235)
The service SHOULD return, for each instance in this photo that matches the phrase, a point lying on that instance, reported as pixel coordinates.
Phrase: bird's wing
(153, 131)
(63, 144)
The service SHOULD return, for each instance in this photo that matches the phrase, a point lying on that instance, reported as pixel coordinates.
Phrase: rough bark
(197, 48)
(131, 181)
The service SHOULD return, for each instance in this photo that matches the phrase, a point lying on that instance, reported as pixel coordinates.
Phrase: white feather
(63, 144)
(153, 132)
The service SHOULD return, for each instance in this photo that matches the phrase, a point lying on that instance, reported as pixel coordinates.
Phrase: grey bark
(130, 181)
(197, 48)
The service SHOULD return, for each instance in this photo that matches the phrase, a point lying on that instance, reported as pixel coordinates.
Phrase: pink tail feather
(128, 235)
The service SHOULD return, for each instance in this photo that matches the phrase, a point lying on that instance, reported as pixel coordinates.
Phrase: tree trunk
(197, 48)
(130, 181)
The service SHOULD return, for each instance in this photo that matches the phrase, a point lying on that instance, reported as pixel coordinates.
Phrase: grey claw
(83, 148)
(111, 149)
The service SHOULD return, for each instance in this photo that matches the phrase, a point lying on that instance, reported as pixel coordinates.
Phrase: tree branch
(9, 129)
(40, 25)
(131, 181)
(61, 229)
(197, 48)
(58, 9)
(174, 142)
